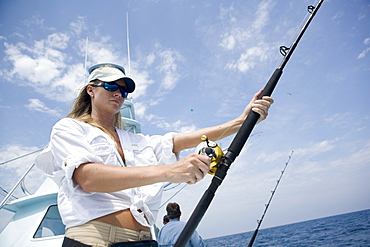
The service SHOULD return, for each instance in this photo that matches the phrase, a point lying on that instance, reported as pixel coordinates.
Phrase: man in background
(171, 231)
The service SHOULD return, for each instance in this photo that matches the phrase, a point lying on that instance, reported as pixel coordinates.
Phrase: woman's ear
(90, 91)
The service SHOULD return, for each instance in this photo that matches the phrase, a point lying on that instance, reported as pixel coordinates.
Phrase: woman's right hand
(95, 177)
(190, 169)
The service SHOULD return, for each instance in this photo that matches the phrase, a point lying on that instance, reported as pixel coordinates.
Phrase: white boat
(36, 220)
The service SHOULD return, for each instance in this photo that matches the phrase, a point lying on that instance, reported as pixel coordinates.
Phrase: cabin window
(51, 225)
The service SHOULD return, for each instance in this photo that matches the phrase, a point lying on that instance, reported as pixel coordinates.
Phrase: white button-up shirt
(73, 143)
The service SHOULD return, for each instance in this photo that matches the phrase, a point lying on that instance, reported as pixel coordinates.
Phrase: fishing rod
(239, 140)
(259, 222)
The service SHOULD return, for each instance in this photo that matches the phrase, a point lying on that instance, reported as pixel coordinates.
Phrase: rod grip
(252, 118)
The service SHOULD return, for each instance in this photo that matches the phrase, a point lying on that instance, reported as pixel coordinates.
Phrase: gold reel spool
(212, 150)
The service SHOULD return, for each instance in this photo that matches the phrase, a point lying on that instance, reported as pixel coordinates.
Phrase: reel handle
(212, 150)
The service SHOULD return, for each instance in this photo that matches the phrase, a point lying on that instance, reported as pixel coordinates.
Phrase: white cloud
(45, 73)
(364, 52)
(143, 80)
(140, 110)
(338, 15)
(182, 127)
(227, 13)
(150, 59)
(46, 67)
(43, 64)
(315, 148)
(168, 60)
(78, 26)
(228, 42)
(163, 78)
(101, 52)
(59, 41)
(359, 159)
(37, 21)
(262, 15)
(38, 66)
(159, 122)
(338, 119)
(361, 16)
(37, 105)
(249, 59)
(240, 38)
(169, 68)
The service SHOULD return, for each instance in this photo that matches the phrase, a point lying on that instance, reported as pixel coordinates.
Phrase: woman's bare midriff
(123, 219)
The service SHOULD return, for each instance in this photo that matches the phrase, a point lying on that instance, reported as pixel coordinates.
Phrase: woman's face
(104, 101)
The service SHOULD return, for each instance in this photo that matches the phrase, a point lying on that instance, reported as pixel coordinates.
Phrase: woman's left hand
(260, 106)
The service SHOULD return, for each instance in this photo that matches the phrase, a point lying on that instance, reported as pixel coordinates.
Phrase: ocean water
(352, 229)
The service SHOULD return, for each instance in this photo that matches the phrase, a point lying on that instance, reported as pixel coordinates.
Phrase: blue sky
(197, 64)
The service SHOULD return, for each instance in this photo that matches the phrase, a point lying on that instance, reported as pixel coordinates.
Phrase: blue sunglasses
(111, 87)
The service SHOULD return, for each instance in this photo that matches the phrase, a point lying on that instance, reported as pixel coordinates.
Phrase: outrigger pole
(259, 222)
(239, 140)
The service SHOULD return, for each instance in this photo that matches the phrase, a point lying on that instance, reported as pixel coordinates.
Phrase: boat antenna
(128, 46)
(259, 222)
(239, 140)
(86, 52)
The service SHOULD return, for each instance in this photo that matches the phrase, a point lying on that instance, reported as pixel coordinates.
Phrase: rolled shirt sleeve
(67, 150)
(73, 143)
(163, 148)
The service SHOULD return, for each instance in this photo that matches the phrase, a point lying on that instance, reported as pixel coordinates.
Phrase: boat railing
(19, 183)
(3, 193)
(24, 189)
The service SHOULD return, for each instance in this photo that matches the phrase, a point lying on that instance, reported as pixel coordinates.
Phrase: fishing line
(220, 137)
(297, 30)
(167, 185)
(173, 196)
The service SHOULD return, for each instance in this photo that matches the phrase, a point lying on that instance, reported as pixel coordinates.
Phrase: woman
(110, 181)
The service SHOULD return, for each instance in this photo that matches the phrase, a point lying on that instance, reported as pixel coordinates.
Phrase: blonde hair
(81, 111)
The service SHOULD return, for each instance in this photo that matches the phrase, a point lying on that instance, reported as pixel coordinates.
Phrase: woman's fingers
(190, 169)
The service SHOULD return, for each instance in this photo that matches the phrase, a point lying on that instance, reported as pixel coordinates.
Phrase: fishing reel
(212, 150)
